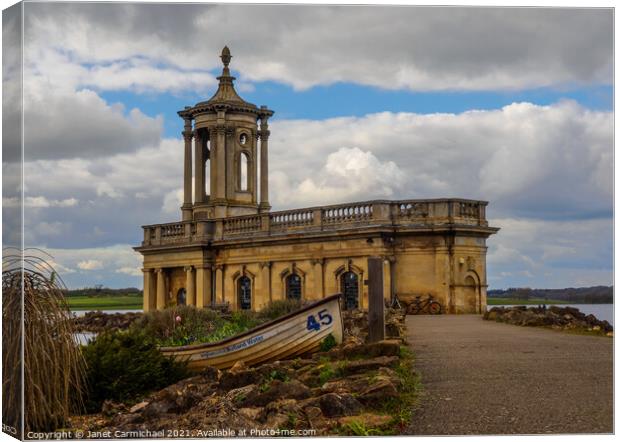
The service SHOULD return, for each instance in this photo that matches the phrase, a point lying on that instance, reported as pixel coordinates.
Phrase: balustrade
(412, 212)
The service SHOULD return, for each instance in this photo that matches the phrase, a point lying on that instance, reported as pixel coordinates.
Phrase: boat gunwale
(258, 328)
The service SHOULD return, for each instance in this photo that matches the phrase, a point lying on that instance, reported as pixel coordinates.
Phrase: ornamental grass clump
(53, 366)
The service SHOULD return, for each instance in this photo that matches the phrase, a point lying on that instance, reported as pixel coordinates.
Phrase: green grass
(128, 302)
(513, 301)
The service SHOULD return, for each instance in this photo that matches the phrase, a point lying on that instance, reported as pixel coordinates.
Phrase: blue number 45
(324, 317)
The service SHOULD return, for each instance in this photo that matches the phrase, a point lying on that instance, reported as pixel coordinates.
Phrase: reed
(35, 315)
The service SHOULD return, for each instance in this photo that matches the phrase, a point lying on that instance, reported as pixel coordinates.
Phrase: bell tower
(228, 142)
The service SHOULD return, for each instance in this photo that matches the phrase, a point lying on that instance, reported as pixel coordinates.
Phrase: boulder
(276, 390)
(362, 365)
(239, 378)
(378, 392)
(334, 405)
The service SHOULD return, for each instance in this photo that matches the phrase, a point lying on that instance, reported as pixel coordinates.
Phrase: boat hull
(292, 335)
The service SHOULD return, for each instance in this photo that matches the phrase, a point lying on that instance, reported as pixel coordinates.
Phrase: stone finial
(226, 56)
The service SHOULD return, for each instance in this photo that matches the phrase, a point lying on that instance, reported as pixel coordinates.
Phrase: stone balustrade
(402, 214)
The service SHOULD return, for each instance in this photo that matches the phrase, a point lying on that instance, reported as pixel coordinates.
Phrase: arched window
(243, 171)
(293, 286)
(181, 297)
(244, 293)
(349, 286)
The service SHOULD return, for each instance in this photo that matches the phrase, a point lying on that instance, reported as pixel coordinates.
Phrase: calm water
(604, 312)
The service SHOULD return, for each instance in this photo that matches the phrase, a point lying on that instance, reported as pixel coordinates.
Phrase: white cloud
(132, 271)
(348, 174)
(91, 264)
(539, 161)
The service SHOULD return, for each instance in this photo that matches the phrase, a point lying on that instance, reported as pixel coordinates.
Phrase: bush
(275, 309)
(194, 325)
(328, 343)
(124, 366)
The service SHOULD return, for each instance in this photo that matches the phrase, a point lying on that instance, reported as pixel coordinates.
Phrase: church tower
(229, 142)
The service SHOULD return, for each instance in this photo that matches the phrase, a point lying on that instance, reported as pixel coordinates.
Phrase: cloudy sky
(513, 106)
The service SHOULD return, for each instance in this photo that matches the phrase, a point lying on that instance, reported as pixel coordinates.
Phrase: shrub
(276, 309)
(194, 325)
(328, 343)
(124, 366)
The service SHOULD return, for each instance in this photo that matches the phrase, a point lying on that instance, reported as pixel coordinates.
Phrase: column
(187, 171)
(161, 290)
(219, 283)
(221, 162)
(203, 286)
(264, 164)
(199, 188)
(190, 285)
(147, 292)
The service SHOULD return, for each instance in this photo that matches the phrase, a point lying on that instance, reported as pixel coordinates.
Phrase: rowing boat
(292, 335)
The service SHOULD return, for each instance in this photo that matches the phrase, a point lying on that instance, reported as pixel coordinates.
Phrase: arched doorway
(181, 297)
(244, 293)
(470, 295)
(293, 287)
(349, 286)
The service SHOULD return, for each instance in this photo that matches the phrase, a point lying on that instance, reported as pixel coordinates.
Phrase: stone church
(231, 248)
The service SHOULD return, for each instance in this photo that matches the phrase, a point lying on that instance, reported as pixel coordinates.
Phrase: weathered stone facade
(230, 248)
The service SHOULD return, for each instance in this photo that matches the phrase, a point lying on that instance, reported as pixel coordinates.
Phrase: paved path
(483, 377)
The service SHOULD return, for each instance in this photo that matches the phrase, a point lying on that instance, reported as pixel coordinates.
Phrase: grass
(127, 302)
(401, 408)
(513, 301)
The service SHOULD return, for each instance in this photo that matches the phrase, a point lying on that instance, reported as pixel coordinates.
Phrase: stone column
(147, 292)
(221, 162)
(187, 172)
(264, 164)
(161, 290)
(199, 189)
(190, 285)
(203, 286)
(219, 283)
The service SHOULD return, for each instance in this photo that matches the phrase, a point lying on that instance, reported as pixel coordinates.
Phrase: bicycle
(429, 305)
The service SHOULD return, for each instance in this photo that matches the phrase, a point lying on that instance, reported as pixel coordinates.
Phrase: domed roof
(226, 97)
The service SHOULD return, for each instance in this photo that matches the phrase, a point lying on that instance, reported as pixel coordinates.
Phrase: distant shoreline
(513, 301)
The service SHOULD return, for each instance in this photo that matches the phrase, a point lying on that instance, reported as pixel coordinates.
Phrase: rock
(211, 374)
(138, 407)
(335, 405)
(490, 316)
(238, 367)
(251, 413)
(361, 365)
(276, 390)
(378, 392)
(313, 413)
(239, 378)
(239, 395)
(368, 419)
(279, 414)
(110, 408)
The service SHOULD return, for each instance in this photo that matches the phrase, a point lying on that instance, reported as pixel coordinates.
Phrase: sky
(507, 105)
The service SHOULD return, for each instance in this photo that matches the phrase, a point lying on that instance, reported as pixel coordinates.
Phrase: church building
(229, 247)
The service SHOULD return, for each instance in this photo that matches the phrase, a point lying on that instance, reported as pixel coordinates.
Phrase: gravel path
(483, 377)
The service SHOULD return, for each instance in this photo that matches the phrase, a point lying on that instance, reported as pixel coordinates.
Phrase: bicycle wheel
(434, 308)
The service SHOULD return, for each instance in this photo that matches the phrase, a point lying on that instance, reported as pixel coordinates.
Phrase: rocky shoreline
(98, 321)
(355, 388)
(555, 317)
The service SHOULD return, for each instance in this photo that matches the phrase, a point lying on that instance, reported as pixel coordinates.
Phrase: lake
(604, 312)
